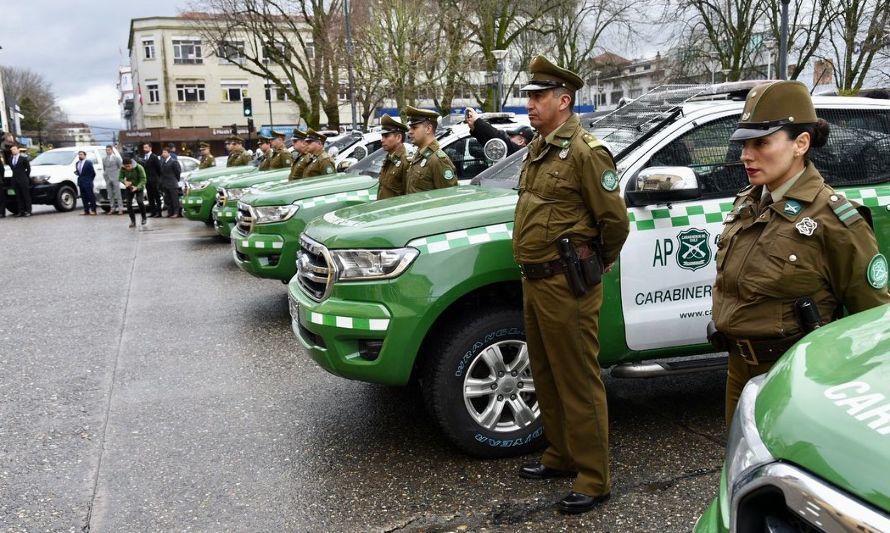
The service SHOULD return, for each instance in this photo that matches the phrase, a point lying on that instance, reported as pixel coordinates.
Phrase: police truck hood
(290, 192)
(825, 406)
(218, 172)
(394, 222)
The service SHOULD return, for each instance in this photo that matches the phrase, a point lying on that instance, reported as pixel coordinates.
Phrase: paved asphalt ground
(147, 384)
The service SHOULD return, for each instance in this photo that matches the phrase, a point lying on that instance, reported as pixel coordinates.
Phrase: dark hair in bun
(818, 134)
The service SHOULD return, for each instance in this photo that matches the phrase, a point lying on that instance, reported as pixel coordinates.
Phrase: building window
(516, 92)
(230, 52)
(615, 96)
(279, 93)
(276, 52)
(647, 67)
(343, 93)
(187, 52)
(154, 95)
(233, 91)
(310, 51)
(190, 92)
(148, 49)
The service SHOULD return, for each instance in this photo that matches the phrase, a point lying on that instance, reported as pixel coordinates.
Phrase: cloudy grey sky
(77, 45)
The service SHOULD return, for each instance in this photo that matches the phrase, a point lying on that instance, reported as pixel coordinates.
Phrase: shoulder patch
(877, 272)
(609, 180)
(329, 169)
(844, 210)
(448, 174)
(592, 141)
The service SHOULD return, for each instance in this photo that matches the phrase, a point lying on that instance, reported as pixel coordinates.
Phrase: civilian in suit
(170, 171)
(86, 173)
(2, 185)
(21, 180)
(152, 165)
(111, 165)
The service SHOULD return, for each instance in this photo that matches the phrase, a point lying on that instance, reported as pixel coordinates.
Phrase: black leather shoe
(539, 471)
(576, 502)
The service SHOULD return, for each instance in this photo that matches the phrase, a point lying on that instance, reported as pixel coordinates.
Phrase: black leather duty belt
(759, 351)
(542, 270)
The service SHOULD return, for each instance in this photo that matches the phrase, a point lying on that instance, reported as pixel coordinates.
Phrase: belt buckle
(746, 351)
(522, 272)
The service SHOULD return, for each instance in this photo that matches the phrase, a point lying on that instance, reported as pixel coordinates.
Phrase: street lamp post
(271, 121)
(499, 56)
(349, 59)
(596, 90)
(783, 43)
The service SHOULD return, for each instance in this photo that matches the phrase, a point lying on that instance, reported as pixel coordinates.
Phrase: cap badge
(807, 226)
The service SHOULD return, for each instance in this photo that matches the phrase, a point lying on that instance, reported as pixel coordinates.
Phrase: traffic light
(250, 128)
(248, 107)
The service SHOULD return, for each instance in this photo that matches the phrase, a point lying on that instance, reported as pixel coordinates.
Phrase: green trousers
(563, 347)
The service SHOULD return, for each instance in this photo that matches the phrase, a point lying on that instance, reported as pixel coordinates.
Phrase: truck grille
(221, 197)
(244, 219)
(314, 269)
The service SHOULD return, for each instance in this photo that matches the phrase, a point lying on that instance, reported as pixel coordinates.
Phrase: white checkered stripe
(194, 200)
(364, 194)
(272, 243)
(877, 197)
(346, 322)
(458, 239)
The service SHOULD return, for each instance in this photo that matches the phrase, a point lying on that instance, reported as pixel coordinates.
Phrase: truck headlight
(275, 213)
(39, 180)
(745, 450)
(233, 194)
(199, 185)
(357, 265)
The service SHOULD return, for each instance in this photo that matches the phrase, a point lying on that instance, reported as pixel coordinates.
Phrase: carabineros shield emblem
(694, 250)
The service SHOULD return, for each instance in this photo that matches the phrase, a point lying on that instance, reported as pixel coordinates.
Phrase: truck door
(667, 264)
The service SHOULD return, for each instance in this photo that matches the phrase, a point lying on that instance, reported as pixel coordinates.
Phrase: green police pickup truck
(225, 210)
(424, 287)
(809, 447)
(267, 236)
(200, 190)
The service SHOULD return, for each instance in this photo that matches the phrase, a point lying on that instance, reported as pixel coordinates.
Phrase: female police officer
(789, 242)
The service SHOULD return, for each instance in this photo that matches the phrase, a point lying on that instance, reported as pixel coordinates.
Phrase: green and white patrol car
(425, 287)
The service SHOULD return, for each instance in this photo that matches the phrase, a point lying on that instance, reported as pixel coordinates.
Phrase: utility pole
(349, 53)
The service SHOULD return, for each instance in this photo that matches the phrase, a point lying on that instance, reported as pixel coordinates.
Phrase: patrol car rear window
(857, 152)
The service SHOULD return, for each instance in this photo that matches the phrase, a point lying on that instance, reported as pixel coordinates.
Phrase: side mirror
(344, 165)
(663, 185)
(495, 149)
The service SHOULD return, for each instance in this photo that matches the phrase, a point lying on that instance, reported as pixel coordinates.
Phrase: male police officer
(237, 156)
(300, 157)
(207, 160)
(266, 149)
(280, 156)
(570, 223)
(320, 162)
(392, 175)
(430, 168)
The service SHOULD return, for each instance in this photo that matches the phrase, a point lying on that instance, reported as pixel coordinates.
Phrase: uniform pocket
(791, 268)
(724, 243)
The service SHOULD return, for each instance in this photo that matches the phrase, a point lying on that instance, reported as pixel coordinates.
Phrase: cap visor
(536, 87)
(743, 134)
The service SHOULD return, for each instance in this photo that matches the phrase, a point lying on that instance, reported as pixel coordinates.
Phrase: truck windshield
(62, 157)
(504, 174)
(372, 164)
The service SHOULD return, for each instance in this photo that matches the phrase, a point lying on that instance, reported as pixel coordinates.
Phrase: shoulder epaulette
(441, 153)
(744, 189)
(844, 210)
(592, 141)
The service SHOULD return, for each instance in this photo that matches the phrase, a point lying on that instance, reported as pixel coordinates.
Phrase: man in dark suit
(170, 171)
(85, 175)
(21, 180)
(152, 165)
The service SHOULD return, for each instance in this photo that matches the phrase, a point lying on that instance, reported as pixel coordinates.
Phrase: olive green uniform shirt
(238, 158)
(299, 167)
(568, 187)
(319, 165)
(266, 163)
(392, 175)
(280, 159)
(207, 161)
(799, 246)
(430, 169)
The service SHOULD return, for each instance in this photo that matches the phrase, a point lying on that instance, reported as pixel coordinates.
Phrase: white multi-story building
(184, 91)
(4, 113)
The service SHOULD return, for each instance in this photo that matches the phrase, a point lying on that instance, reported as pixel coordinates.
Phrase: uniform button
(792, 258)
(833, 198)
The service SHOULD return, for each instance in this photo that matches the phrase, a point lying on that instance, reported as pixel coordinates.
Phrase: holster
(718, 340)
(573, 270)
